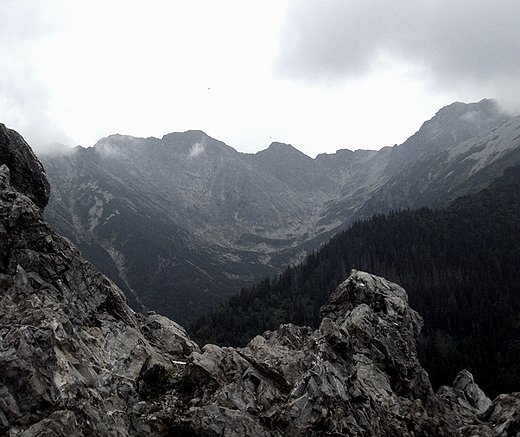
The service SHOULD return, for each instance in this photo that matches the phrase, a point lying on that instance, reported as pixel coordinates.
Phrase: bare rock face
(465, 397)
(27, 174)
(501, 419)
(75, 360)
(358, 374)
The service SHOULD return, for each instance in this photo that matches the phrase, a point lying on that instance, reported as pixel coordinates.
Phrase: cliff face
(26, 171)
(75, 360)
(73, 356)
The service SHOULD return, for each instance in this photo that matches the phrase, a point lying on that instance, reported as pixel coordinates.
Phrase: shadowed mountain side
(183, 222)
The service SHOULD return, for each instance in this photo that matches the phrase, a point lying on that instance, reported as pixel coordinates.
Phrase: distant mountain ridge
(182, 222)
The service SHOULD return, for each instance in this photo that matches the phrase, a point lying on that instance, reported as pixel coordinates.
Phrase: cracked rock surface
(358, 374)
(74, 358)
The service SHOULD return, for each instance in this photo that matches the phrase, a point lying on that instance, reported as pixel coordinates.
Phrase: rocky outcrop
(358, 374)
(75, 360)
(464, 396)
(26, 171)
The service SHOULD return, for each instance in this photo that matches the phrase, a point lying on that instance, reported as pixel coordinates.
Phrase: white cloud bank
(457, 45)
(320, 74)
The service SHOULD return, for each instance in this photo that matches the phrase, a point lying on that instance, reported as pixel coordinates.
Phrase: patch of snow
(95, 213)
(488, 146)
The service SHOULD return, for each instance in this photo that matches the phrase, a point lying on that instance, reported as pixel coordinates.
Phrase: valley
(184, 222)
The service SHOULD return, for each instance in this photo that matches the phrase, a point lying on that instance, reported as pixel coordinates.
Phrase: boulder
(27, 173)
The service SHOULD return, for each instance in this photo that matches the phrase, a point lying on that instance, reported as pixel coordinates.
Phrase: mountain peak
(481, 112)
(282, 150)
(189, 135)
(450, 126)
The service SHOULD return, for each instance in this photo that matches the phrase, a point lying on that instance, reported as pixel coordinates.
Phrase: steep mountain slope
(463, 169)
(127, 232)
(424, 171)
(77, 361)
(198, 219)
(182, 222)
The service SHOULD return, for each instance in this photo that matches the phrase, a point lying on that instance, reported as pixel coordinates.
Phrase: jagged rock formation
(26, 171)
(72, 352)
(501, 419)
(182, 222)
(75, 360)
(355, 374)
(358, 374)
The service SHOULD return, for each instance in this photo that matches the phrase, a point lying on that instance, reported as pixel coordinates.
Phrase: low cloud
(25, 105)
(196, 149)
(457, 44)
(25, 100)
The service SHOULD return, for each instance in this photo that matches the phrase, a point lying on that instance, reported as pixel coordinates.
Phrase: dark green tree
(459, 266)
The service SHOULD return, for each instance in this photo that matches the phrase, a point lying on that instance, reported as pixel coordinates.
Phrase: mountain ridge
(244, 216)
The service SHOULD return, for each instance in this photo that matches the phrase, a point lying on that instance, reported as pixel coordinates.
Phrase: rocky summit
(75, 360)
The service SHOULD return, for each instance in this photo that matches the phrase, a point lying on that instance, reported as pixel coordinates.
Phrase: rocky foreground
(75, 360)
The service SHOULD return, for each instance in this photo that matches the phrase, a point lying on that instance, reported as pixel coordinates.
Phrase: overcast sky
(319, 74)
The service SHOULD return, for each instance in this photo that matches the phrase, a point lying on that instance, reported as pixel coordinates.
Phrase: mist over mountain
(183, 222)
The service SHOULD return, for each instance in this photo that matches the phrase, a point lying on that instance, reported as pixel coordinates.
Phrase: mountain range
(77, 361)
(183, 222)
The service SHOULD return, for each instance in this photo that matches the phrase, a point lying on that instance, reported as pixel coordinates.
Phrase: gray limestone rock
(465, 396)
(166, 335)
(358, 374)
(501, 419)
(27, 173)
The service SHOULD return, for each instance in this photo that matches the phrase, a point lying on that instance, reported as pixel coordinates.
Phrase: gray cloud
(457, 42)
(197, 149)
(31, 19)
(25, 101)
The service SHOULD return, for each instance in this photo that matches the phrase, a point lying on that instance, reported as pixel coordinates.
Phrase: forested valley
(459, 265)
